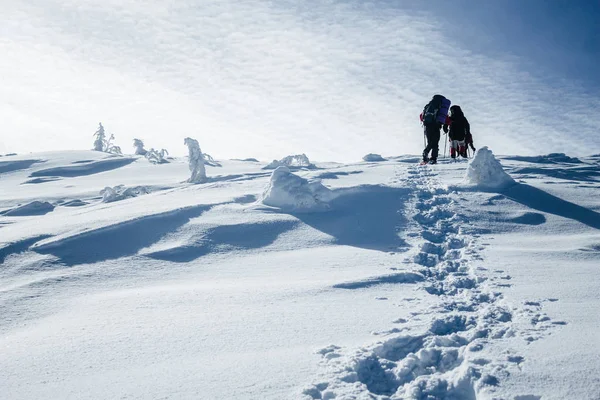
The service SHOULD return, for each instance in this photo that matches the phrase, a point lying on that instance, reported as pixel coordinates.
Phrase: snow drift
(295, 161)
(293, 193)
(30, 209)
(372, 157)
(486, 172)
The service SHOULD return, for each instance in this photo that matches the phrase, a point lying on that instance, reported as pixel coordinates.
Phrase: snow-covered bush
(487, 172)
(120, 192)
(208, 160)
(295, 161)
(139, 147)
(196, 161)
(103, 144)
(157, 157)
(371, 157)
(293, 193)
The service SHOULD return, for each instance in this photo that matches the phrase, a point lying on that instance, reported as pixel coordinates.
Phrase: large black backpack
(435, 108)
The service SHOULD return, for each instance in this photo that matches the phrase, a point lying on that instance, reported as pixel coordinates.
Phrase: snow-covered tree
(103, 144)
(139, 147)
(157, 157)
(196, 161)
(110, 148)
(100, 136)
(208, 160)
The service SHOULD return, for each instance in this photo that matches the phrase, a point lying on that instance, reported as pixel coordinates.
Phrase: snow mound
(487, 172)
(30, 209)
(119, 192)
(74, 203)
(293, 193)
(371, 157)
(296, 161)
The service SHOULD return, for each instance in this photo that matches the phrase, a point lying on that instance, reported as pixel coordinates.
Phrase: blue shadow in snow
(95, 167)
(553, 158)
(584, 174)
(120, 240)
(367, 217)
(20, 246)
(227, 238)
(11, 166)
(542, 201)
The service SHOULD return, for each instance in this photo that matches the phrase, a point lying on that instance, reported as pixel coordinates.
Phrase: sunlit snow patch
(293, 193)
(486, 172)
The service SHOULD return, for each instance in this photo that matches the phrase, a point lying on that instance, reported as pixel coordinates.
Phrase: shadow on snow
(120, 240)
(542, 201)
(368, 217)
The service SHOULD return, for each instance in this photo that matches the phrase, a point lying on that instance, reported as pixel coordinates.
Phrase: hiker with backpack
(433, 117)
(458, 128)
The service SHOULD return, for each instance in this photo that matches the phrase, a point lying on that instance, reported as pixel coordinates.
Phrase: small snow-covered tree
(110, 148)
(196, 161)
(104, 145)
(139, 147)
(157, 157)
(208, 160)
(100, 136)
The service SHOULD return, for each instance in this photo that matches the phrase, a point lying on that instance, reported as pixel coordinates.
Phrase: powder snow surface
(387, 280)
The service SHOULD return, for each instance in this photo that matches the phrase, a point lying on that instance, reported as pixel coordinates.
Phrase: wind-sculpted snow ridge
(30, 209)
(485, 171)
(445, 358)
(291, 192)
(85, 168)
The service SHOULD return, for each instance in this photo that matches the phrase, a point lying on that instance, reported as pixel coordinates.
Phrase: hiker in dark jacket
(458, 129)
(432, 117)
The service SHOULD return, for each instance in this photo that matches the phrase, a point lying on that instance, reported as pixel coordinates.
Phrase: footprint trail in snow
(448, 357)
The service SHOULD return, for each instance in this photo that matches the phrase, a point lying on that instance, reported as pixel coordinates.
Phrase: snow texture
(292, 193)
(485, 171)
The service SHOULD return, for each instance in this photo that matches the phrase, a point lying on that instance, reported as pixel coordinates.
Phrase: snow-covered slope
(367, 280)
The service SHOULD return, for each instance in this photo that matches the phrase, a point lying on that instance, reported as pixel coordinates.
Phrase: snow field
(370, 280)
